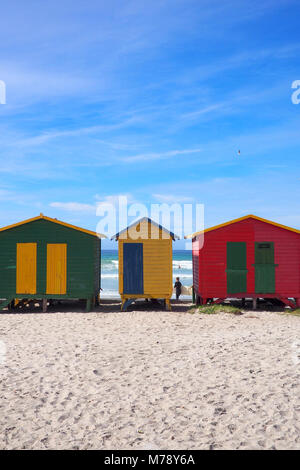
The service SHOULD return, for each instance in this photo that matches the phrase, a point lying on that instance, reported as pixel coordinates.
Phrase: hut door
(264, 268)
(236, 267)
(133, 282)
(56, 268)
(26, 268)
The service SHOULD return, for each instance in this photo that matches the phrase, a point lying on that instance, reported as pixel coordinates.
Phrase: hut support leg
(254, 306)
(243, 302)
(168, 306)
(126, 304)
(298, 302)
(161, 302)
(4, 303)
(194, 297)
(88, 304)
(44, 303)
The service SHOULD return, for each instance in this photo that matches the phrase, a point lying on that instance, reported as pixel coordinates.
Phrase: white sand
(149, 380)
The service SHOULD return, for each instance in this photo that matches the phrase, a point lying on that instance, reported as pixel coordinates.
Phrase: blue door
(133, 282)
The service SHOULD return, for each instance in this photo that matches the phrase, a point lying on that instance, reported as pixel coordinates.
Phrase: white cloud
(158, 155)
(91, 208)
(114, 198)
(172, 198)
(205, 110)
(18, 197)
(74, 206)
(79, 132)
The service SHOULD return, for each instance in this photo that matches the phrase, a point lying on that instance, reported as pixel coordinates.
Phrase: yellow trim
(56, 268)
(239, 220)
(148, 230)
(26, 268)
(59, 222)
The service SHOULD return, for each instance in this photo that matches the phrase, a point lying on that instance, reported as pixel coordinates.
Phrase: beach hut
(43, 258)
(145, 262)
(247, 257)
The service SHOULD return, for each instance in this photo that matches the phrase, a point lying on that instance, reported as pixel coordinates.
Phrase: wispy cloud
(114, 199)
(172, 198)
(158, 155)
(79, 132)
(150, 100)
(239, 61)
(205, 110)
(74, 207)
(92, 208)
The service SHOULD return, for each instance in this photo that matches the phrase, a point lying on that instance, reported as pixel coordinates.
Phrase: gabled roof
(55, 221)
(250, 216)
(147, 219)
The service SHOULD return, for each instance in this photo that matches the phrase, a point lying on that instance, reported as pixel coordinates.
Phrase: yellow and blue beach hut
(145, 262)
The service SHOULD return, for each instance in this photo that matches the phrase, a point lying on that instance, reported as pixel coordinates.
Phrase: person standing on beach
(177, 286)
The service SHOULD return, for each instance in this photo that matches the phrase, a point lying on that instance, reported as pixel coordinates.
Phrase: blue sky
(151, 100)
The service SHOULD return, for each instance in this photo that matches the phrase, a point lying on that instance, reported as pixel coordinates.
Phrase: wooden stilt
(254, 304)
(168, 305)
(44, 305)
(4, 303)
(126, 304)
(88, 304)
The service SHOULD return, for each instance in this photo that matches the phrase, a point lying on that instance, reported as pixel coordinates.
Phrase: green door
(236, 267)
(264, 268)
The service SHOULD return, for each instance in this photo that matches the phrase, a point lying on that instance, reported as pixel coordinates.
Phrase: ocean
(182, 268)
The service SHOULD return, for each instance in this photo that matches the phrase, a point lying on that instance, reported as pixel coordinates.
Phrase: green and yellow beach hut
(145, 262)
(43, 258)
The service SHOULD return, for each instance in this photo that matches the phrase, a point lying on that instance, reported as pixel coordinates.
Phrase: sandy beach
(149, 380)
